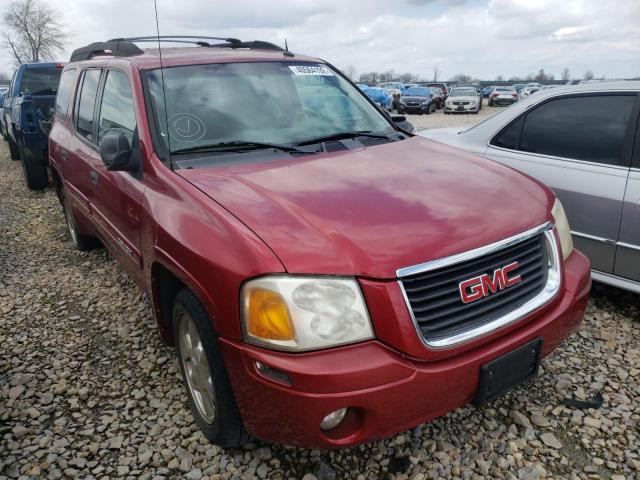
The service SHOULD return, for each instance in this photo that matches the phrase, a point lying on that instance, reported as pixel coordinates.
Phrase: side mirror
(116, 152)
(402, 122)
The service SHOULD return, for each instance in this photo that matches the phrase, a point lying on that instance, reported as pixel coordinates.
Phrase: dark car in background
(26, 118)
(417, 100)
(442, 87)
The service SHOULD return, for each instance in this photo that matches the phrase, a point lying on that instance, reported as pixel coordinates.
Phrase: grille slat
(459, 278)
(435, 299)
(467, 269)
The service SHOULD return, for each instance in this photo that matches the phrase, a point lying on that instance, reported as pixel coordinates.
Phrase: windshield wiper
(341, 136)
(238, 145)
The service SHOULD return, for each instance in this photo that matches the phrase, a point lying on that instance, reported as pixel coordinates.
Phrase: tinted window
(116, 111)
(584, 128)
(86, 103)
(40, 81)
(510, 135)
(67, 81)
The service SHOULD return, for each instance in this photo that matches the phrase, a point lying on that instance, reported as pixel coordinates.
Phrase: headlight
(303, 313)
(425, 102)
(564, 231)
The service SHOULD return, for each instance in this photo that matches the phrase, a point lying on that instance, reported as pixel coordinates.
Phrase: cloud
(483, 38)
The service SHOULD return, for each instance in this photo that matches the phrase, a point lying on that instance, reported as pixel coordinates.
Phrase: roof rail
(115, 47)
(125, 47)
(255, 44)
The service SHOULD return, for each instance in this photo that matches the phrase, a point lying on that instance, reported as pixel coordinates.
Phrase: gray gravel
(87, 389)
(438, 119)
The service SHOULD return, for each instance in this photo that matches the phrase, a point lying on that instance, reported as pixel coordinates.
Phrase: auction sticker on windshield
(311, 70)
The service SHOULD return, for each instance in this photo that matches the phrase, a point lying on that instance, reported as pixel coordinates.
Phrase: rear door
(579, 145)
(627, 264)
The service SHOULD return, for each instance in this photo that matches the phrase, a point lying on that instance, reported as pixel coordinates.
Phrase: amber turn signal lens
(268, 316)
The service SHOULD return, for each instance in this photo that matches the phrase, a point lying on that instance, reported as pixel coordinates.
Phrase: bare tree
(436, 72)
(408, 77)
(4, 77)
(588, 75)
(566, 74)
(499, 78)
(32, 31)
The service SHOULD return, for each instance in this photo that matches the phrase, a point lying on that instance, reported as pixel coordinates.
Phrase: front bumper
(416, 108)
(465, 108)
(387, 392)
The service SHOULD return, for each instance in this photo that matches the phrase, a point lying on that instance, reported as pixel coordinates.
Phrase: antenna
(164, 96)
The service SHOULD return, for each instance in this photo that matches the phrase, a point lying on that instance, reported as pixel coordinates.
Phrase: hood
(415, 98)
(371, 211)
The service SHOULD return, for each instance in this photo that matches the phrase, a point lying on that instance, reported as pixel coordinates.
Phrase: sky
(481, 38)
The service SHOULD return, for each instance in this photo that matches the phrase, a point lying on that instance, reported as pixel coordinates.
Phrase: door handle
(63, 154)
(93, 175)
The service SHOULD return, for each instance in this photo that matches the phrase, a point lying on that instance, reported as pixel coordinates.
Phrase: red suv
(326, 277)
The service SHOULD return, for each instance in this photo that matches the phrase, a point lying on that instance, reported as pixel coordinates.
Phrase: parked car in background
(436, 97)
(486, 91)
(417, 100)
(26, 118)
(395, 89)
(527, 91)
(312, 267)
(463, 100)
(579, 140)
(381, 96)
(503, 96)
(518, 87)
(444, 90)
(395, 85)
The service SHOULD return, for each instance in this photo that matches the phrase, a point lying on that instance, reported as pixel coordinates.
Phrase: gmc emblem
(479, 287)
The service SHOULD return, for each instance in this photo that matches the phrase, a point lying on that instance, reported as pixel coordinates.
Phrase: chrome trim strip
(468, 255)
(615, 281)
(622, 168)
(593, 237)
(548, 293)
(629, 246)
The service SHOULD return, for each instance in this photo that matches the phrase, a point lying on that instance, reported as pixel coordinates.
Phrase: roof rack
(116, 47)
(125, 47)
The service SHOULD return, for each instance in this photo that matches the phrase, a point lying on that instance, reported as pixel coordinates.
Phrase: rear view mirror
(116, 153)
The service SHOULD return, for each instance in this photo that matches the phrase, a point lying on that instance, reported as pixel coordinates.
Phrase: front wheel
(205, 377)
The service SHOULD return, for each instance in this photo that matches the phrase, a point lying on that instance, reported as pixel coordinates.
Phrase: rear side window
(510, 135)
(117, 112)
(41, 81)
(590, 128)
(67, 81)
(86, 102)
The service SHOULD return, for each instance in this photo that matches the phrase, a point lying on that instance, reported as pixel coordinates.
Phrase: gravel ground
(87, 389)
(438, 119)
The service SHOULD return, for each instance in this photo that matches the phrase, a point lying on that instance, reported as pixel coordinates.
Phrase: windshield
(41, 81)
(463, 92)
(269, 102)
(417, 92)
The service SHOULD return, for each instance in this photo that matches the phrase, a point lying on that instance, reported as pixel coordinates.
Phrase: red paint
(363, 213)
(484, 285)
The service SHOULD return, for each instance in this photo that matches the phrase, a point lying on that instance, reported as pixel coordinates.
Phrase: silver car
(584, 142)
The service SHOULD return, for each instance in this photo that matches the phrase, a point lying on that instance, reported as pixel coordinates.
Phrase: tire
(81, 242)
(213, 407)
(13, 150)
(35, 173)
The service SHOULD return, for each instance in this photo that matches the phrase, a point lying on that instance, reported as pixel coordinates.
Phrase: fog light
(334, 419)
